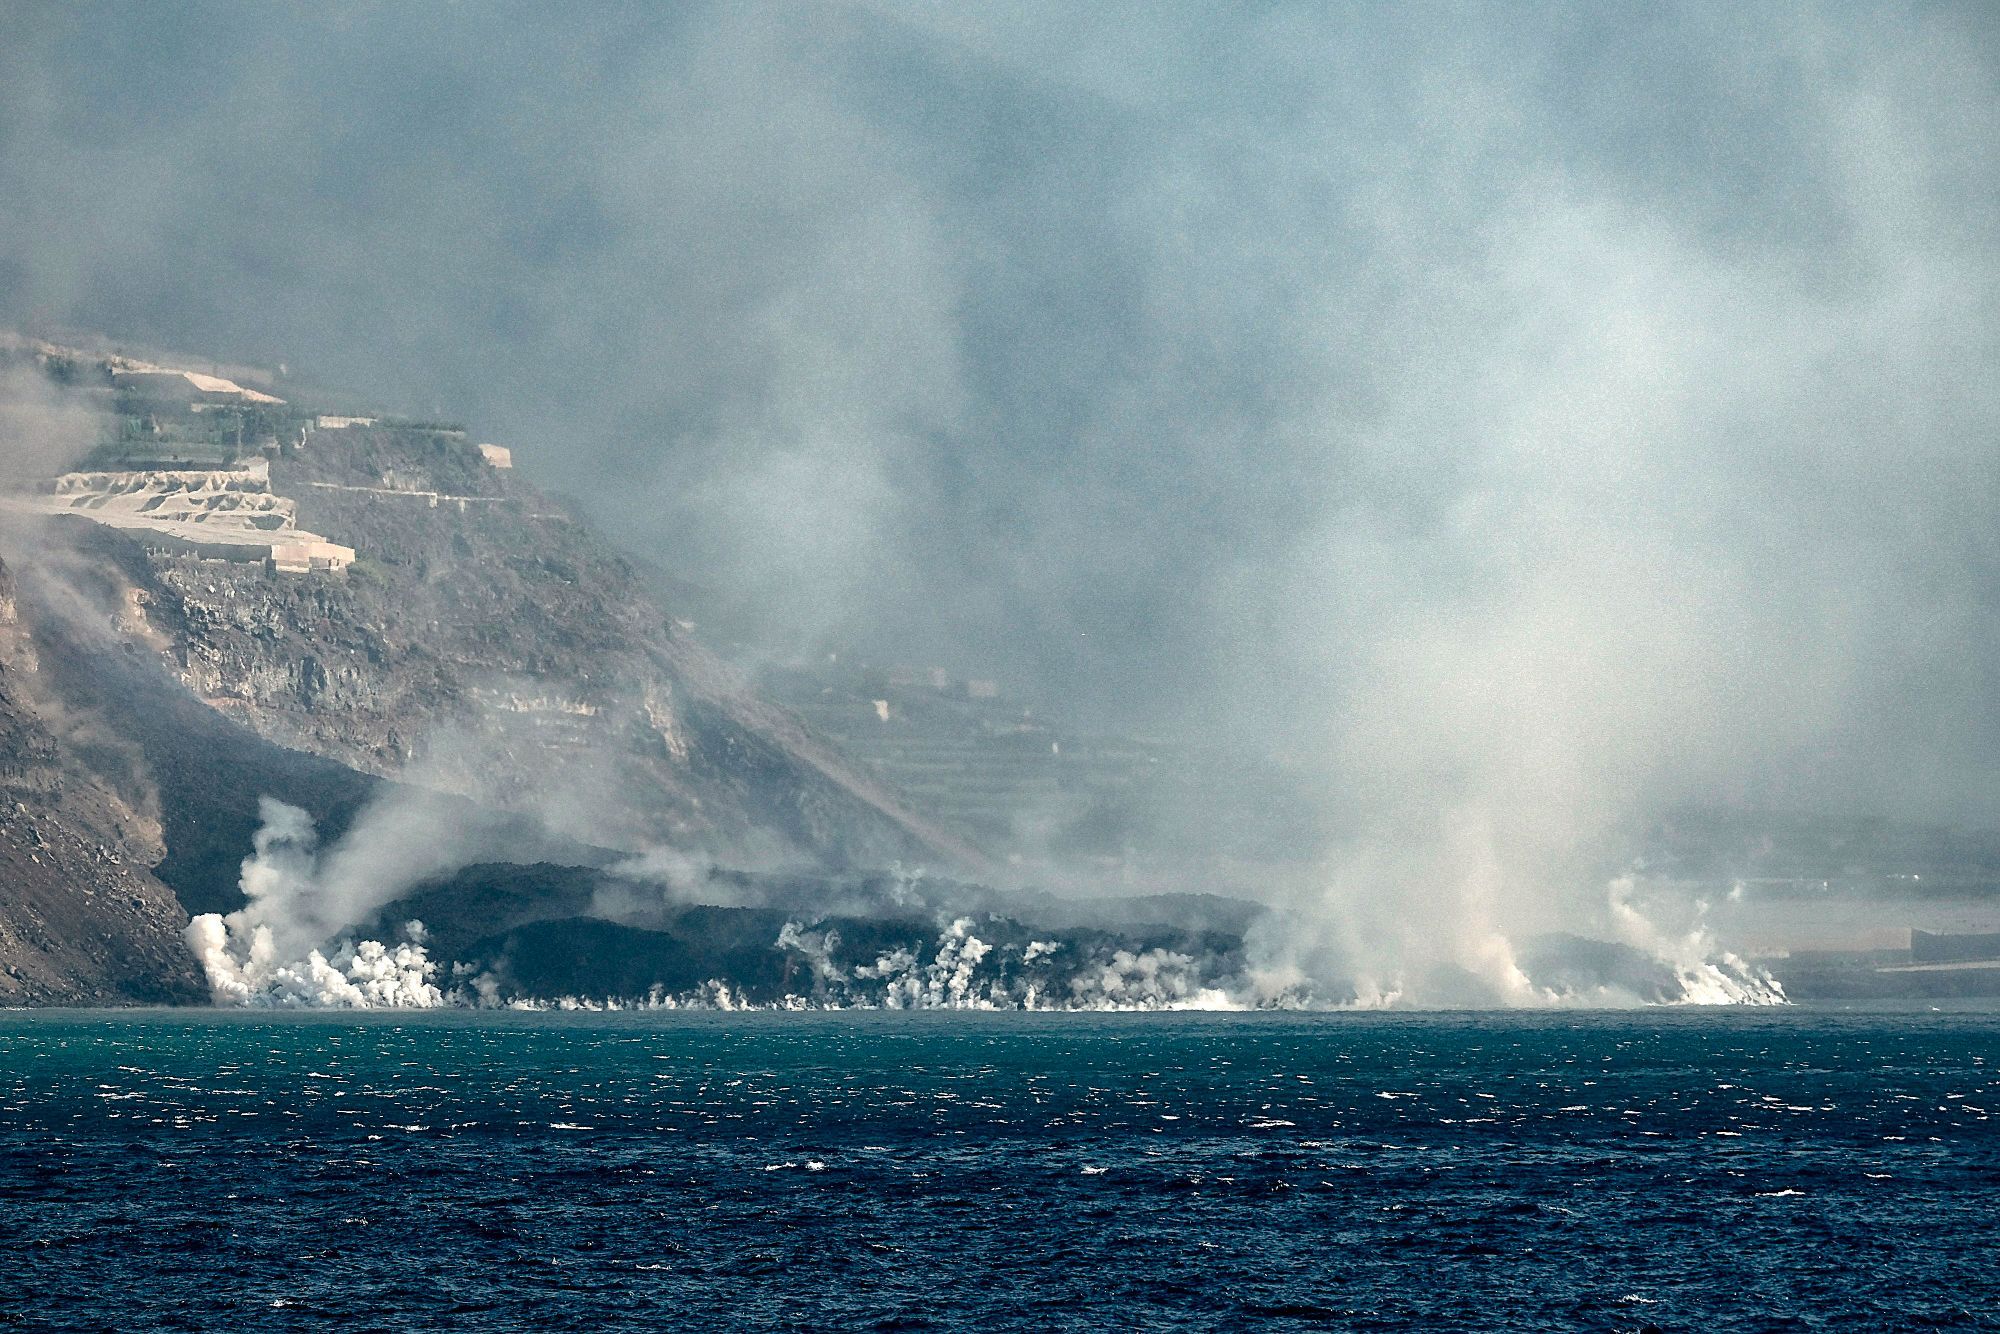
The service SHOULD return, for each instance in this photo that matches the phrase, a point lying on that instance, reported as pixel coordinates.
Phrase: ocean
(1670, 1169)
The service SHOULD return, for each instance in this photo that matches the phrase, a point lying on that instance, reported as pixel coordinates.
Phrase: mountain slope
(486, 643)
(81, 921)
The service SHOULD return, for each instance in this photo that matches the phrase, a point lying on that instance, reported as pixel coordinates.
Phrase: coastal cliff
(169, 659)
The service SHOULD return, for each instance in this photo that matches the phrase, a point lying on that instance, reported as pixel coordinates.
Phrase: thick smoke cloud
(1521, 417)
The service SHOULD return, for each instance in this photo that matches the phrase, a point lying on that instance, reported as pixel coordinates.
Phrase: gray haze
(1517, 416)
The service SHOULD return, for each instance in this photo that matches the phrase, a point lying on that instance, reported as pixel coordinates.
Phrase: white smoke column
(951, 972)
(403, 837)
(1152, 979)
(360, 975)
(945, 983)
(280, 881)
(669, 877)
(299, 901)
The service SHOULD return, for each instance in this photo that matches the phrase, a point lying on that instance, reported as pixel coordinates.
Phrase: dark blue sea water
(1783, 1170)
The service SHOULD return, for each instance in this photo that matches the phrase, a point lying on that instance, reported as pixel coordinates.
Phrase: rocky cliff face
(82, 921)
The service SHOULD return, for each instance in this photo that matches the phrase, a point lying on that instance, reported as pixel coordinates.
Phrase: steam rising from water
(1706, 973)
(269, 952)
(289, 945)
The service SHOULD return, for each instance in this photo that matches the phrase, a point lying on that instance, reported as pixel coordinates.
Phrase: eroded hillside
(82, 921)
(484, 642)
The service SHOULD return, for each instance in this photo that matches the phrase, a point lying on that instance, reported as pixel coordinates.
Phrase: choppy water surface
(1706, 1170)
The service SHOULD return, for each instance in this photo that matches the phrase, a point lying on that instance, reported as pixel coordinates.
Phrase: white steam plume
(301, 900)
(1706, 973)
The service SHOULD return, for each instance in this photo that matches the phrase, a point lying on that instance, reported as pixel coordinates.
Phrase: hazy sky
(1495, 403)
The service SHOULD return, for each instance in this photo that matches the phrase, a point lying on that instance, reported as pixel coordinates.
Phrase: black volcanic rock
(488, 899)
(507, 932)
(580, 956)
